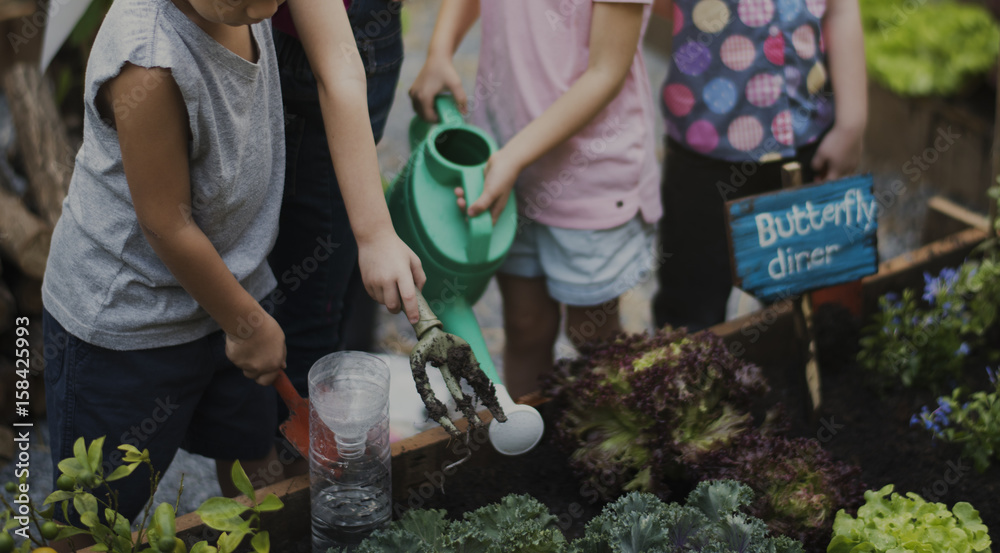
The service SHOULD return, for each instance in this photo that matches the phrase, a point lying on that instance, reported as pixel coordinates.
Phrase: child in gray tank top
(155, 334)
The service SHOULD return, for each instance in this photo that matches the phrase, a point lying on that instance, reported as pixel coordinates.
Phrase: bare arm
(156, 167)
(614, 37)
(840, 152)
(455, 18)
(389, 268)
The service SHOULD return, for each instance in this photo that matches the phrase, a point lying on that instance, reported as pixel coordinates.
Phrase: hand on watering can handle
(500, 176)
(437, 75)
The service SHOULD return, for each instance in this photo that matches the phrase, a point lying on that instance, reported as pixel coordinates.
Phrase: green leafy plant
(642, 407)
(799, 486)
(96, 513)
(928, 47)
(889, 522)
(517, 523)
(711, 521)
(972, 420)
(927, 341)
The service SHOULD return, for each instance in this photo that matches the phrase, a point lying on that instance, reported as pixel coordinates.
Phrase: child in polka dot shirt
(752, 84)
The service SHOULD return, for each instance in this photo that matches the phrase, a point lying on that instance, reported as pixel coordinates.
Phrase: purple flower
(944, 282)
(992, 374)
(914, 420)
(963, 349)
(944, 405)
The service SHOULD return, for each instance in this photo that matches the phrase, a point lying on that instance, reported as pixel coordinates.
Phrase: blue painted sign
(787, 242)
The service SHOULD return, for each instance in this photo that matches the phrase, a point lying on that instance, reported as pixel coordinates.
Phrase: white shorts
(584, 268)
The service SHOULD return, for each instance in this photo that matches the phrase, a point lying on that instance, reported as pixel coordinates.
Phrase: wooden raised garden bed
(420, 464)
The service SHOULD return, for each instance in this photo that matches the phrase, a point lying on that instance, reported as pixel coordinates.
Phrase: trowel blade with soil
(296, 428)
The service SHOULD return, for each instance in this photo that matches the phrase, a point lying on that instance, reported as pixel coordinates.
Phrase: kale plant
(889, 522)
(711, 521)
(518, 523)
(636, 410)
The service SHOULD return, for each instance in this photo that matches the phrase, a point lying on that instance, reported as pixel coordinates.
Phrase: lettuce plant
(712, 520)
(637, 409)
(971, 420)
(798, 485)
(889, 522)
(928, 48)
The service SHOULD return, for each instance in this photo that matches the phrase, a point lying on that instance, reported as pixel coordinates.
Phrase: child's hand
(838, 154)
(437, 74)
(500, 174)
(260, 353)
(390, 271)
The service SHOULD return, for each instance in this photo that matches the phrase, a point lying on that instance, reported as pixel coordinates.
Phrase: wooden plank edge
(959, 213)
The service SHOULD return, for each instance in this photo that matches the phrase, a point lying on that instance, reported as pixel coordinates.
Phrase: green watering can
(459, 254)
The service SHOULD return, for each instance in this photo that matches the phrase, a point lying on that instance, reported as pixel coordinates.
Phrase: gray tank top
(104, 283)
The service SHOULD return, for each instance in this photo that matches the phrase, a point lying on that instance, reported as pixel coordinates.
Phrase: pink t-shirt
(532, 52)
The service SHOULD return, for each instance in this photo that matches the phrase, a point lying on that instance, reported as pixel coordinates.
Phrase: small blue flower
(914, 420)
(944, 405)
(892, 297)
(963, 349)
(992, 374)
(944, 282)
(946, 306)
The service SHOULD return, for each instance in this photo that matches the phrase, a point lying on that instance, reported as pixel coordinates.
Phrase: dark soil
(856, 423)
(871, 428)
(543, 473)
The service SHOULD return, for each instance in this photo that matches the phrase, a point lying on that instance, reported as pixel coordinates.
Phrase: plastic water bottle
(349, 454)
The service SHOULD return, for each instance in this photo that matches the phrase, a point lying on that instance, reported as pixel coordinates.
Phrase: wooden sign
(787, 242)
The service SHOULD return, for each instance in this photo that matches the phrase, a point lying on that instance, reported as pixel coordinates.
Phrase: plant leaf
(85, 503)
(95, 454)
(261, 543)
(222, 513)
(80, 454)
(242, 482)
(121, 472)
(270, 503)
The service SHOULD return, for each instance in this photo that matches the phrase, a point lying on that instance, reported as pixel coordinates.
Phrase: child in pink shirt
(563, 88)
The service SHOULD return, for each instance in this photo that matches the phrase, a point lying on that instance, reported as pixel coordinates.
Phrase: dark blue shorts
(185, 396)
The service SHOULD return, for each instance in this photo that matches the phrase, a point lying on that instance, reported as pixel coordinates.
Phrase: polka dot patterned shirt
(748, 78)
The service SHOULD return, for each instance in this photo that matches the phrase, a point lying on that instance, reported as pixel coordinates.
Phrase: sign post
(783, 244)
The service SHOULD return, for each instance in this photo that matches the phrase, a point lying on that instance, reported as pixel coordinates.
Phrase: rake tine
(465, 403)
(435, 409)
(483, 387)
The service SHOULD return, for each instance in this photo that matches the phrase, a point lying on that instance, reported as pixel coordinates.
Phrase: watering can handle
(447, 110)
(480, 226)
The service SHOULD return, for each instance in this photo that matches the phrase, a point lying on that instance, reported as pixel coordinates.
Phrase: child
(563, 88)
(319, 291)
(171, 212)
(748, 90)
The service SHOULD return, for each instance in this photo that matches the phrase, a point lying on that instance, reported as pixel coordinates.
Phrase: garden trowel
(296, 428)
